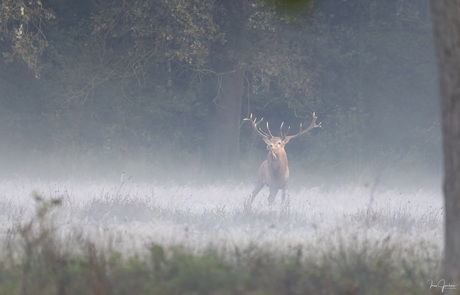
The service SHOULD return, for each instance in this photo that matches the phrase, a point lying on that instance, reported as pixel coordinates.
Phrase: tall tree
(447, 36)
(22, 28)
(219, 41)
(227, 93)
(258, 57)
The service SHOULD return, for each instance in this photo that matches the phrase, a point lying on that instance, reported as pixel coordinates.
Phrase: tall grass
(128, 240)
(37, 264)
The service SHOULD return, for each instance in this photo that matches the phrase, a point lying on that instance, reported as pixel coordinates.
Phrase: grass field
(138, 238)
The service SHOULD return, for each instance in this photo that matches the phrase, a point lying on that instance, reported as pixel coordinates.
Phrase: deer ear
(267, 141)
(286, 140)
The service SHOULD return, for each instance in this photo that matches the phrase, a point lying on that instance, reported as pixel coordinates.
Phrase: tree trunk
(223, 147)
(225, 132)
(446, 20)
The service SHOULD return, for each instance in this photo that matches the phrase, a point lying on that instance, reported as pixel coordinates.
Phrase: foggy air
(129, 117)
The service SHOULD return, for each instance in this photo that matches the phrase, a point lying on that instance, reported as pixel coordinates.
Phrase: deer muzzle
(269, 148)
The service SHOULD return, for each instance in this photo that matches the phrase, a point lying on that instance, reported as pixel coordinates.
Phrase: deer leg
(256, 190)
(284, 193)
(271, 197)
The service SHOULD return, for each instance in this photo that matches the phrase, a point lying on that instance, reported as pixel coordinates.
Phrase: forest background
(158, 89)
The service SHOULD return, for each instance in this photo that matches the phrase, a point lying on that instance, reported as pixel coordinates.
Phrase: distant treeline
(170, 81)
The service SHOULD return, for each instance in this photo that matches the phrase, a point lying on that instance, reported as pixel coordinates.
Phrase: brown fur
(274, 171)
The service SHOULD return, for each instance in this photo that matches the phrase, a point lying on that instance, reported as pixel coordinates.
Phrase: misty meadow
(130, 148)
(205, 239)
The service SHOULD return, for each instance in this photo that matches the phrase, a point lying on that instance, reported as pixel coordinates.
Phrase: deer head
(274, 171)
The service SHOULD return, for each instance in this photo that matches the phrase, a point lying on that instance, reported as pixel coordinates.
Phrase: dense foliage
(170, 80)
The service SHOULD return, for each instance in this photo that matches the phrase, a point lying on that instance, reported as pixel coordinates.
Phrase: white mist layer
(130, 216)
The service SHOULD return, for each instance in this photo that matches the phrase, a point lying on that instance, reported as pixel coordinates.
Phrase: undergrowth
(37, 263)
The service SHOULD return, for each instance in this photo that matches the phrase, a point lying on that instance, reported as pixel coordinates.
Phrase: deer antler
(274, 171)
(281, 130)
(255, 123)
(312, 126)
(269, 132)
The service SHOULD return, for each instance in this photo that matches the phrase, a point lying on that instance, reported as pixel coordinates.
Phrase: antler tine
(287, 131)
(269, 132)
(314, 121)
(312, 126)
(281, 130)
(255, 123)
(261, 132)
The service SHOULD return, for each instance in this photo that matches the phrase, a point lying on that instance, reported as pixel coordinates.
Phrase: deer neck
(277, 160)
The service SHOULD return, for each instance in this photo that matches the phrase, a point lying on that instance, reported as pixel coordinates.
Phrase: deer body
(274, 171)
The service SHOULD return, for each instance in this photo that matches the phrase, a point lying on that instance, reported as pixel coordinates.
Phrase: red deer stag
(274, 171)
